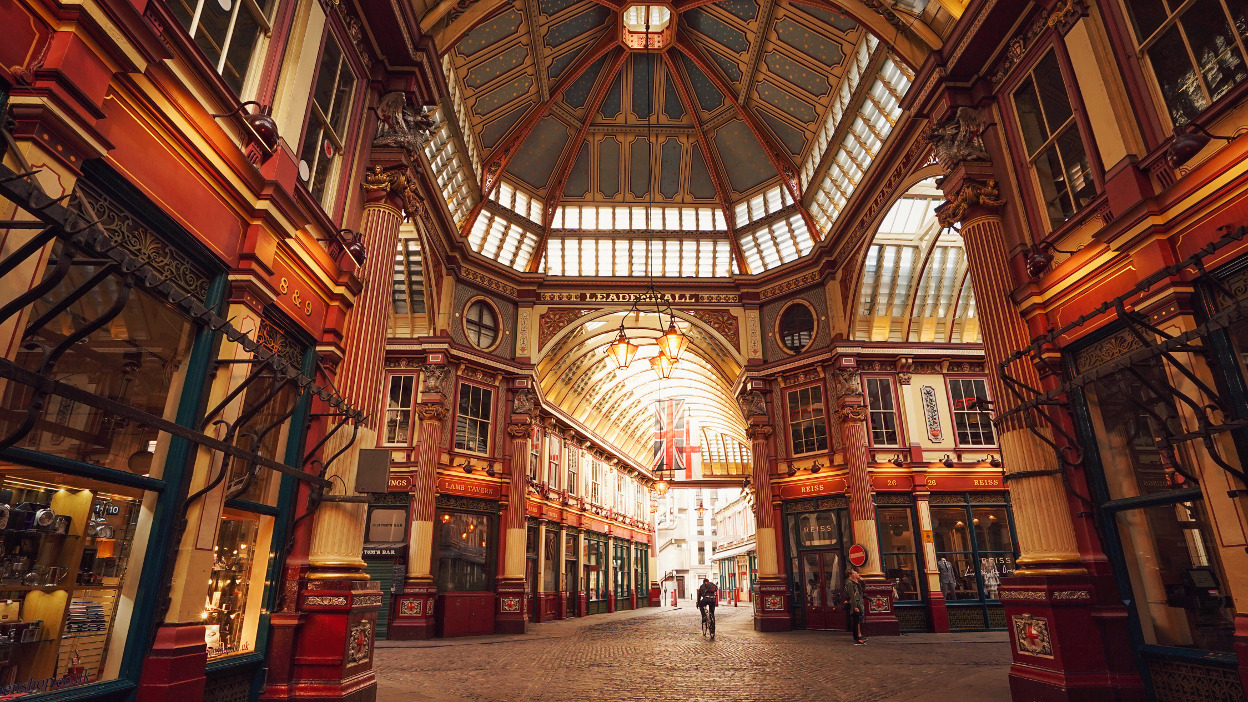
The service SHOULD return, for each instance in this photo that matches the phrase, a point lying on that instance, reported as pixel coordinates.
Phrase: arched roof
(738, 143)
(619, 405)
(915, 285)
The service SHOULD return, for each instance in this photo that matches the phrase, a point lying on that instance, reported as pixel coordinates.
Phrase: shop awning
(733, 552)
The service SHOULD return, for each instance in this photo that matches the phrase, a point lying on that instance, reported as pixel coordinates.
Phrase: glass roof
(915, 285)
(619, 147)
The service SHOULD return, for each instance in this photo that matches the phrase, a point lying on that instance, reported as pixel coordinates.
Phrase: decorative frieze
(554, 320)
(493, 283)
(789, 285)
(1063, 15)
(722, 321)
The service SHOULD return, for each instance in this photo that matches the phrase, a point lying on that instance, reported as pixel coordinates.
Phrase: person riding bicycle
(708, 595)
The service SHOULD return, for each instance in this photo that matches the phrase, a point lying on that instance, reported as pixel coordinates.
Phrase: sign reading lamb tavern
(628, 297)
(469, 488)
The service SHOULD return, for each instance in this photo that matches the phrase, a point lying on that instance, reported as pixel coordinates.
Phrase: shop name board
(628, 297)
(399, 483)
(892, 482)
(470, 488)
(827, 486)
(381, 551)
(977, 481)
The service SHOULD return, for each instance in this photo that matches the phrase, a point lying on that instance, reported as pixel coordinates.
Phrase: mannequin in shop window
(948, 579)
(992, 580)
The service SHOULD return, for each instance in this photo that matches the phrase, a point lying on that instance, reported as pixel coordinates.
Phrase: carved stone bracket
(851, 413)
(435, 379)
(396, 183)
(525, 403)
(752, 404)
(519, 430)
(846, 382)
(958, 138)
(973, 193)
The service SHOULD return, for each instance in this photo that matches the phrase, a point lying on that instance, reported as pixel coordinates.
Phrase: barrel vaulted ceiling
(748, 132)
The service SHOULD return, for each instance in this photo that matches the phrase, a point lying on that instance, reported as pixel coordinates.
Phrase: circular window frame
(814, 331)
(498, 317)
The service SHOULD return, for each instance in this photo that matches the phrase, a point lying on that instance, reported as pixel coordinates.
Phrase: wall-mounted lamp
(792, 468)
(947, 461)
(816, 467)
(1188, 141)
(262, 127)
(1040, 256)
(897, 460)
(993, 461)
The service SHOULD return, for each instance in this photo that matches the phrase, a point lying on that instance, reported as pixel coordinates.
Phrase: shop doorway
(818, 533)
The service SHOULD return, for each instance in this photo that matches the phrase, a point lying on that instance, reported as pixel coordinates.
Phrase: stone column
(771, 611)
(938, 612)
(413, 618)
(851, 414)
(337, 599)
(510, 617)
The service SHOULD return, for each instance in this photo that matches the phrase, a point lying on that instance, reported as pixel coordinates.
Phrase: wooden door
(823, 589)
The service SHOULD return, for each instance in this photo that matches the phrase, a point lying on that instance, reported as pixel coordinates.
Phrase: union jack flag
(673, 443)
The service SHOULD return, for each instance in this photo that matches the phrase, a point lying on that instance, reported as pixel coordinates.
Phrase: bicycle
(708, 621)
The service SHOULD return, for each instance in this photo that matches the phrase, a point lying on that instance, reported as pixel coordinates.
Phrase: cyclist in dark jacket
(708, 595)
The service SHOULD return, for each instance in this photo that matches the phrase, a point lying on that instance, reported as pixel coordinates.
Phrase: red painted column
(414, 609)
(510, 617)
(772, 610)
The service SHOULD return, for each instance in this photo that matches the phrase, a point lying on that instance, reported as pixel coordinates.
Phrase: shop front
(975, 547)
(597, 582)
(385, 550)
(622, 570)
(901, 559)
(818, 536)
(465, 547)
(571, 573)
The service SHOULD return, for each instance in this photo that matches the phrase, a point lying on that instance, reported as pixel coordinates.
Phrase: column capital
(965, 196)
(519, 430)
(759, 432)
(847, 414)
(393, 186)
(431, 411)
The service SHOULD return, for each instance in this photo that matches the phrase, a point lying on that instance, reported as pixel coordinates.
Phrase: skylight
(455, 180)
(637, 17)
(775, 244)
(518, 201)
(686, 258)
(506, 242)
(765, 203)
(639, 217)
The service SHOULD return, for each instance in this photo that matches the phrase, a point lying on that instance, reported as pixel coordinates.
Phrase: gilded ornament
(851, 413)
(759, 432)
(973, 193)
(431, 411)
(520, 430)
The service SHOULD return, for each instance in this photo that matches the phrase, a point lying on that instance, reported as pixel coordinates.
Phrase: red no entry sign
(857, 555)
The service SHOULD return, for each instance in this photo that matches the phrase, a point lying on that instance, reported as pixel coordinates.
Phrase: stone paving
(659, 654)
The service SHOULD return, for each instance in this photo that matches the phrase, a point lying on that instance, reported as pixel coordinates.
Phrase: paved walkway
(659, 655)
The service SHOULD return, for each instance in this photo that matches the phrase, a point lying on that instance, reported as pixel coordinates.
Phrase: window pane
(1147, 16)
(242, 45)
(902, 573)
(1213, 45)
(1078, 173)
(992, 529)
(461, 549)
(957, 574)
(214, 23)
(327, 75)
(1052, 89)
(1177, 77)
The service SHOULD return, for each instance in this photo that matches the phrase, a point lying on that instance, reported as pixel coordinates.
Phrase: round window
(481, 325)
(797, 327)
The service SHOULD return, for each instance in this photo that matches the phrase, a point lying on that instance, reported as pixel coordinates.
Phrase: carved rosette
(973, 193)
(851, 413)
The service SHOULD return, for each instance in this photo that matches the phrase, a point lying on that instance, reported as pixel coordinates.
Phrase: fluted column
(1046, 534)
(338, 528)
(852, 418)
(771, 609)
(510, 618)
(432, 413)
(768, 561)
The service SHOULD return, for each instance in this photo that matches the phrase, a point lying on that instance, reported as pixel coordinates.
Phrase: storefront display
(623, 575)
(974, 538)
(462, 551)
(898, 551)
(596, 572)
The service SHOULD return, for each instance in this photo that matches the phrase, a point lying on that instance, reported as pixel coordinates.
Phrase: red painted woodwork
(465, 614)
(656, 594)
(937, 613)
(772, 608)
(812, 488)
(510, 614)
(414, 612)
(880, 619)
(174, 668)
(610, 602)
(547, 607)
(332, 611)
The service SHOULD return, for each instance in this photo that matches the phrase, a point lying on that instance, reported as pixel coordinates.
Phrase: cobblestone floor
(660, 655)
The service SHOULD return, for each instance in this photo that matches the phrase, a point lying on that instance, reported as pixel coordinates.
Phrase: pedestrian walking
(854, 595)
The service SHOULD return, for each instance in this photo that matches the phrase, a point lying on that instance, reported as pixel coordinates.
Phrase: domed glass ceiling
(563, 151)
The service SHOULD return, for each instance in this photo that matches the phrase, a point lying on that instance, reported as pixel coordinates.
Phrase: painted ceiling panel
(609, 168)
(490, 32)
(639, 168)
(836, 19)
(561, 62)
(643, 67)
(578, 178)
(745, 161)
(487, 71)
(700, 184)
(717, 30)
(709, 97)
(538, 154)
(550, 8)
(814, 45)
(573, 27)
(793, 139)
(745, 10)
(785, 101)
(730, 68)
(669, 168)
(610, 108)
(810, 80)
(671, 101)
(578, 93)
(497, 128)
(503, 94)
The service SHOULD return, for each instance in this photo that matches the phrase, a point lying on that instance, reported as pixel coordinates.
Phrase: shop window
(899, 552)
(481, 325)
(463, 551)
(807, 426)
(399, 410)
(72, 556)
(1168, 545)
(231, 598)
(1194, 50)
(974, 549)
(623, 576)
(550, 561)
(969, 398)
(535, 454)
(572, 457)
(796, 327)
(229, 33)
(1051, 135)
(270, 426)
(883, 413)
(472, 421)
(596, 568)
(328, 116)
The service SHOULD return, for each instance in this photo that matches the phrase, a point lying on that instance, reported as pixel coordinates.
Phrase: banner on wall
(674, 446)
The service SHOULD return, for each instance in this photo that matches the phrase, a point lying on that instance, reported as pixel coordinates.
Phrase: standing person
(854, 592)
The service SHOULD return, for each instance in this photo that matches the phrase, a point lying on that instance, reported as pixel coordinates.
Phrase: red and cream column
(510, 616)
(1061, 604)
(771, 610)
(851, 414)
(333, 647)
(413, 612)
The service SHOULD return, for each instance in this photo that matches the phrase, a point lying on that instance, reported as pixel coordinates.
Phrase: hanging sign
(857, 555)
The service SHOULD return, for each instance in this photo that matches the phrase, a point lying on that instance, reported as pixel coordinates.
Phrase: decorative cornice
(476, 276)
(972, 193)
(788, 285)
